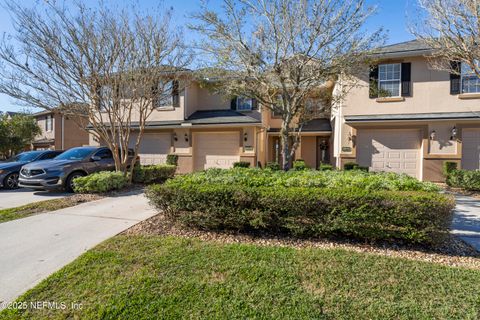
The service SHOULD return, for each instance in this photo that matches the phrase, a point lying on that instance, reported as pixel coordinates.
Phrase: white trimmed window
(389, 79)
(48, 123)
(470, 80)
(244, 104)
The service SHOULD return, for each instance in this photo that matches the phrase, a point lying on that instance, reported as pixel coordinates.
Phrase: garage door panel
(471, 149)
(390, 150)
(154, 148)
(216, 150)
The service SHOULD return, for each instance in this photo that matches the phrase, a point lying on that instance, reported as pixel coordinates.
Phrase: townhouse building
(405, 116)
(402, 116)
(208, 130)
(58, 132)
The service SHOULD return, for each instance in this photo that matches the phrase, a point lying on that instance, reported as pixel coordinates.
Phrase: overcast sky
(391, 14)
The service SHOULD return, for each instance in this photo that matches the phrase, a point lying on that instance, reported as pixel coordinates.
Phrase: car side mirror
(96, 158)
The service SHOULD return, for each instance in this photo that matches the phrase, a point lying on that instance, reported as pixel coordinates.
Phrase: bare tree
(113, 67)
(452, 29)
(282, 52)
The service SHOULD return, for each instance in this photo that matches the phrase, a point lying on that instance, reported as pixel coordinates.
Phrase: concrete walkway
(33, 248)
(20, 197)
(466, 220)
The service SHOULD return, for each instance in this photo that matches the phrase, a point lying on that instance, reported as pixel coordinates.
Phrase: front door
(323, 151)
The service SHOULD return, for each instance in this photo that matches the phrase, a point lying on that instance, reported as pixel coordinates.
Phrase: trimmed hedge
(241, 164)
(465, 179)
(354, 166)
(153, 173)
(414, 217)
(310, 178)
(449, 166)
(275, 166)
(325, 167)
(172, 159)
(100, 182)
(299, 165)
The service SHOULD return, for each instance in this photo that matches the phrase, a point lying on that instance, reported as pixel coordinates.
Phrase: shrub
(172, 159)
(299, 165)
(325, 167)
(153, 173)
(350, 166)
(103, 181)
(415, 217)
(311, 178)
(465, 179)
(241, 164)
(275, 166)
(449, 166)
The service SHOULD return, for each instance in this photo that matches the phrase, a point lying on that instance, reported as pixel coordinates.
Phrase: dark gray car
(9, 170)
(60, 172)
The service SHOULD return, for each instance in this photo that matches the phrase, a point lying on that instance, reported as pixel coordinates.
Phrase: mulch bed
(448, 189)
(453, 252)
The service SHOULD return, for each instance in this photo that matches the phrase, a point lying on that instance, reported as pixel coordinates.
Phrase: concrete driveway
(36, 246)
(20, 197)
(466, 220)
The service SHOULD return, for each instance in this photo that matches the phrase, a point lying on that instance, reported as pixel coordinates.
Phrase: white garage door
(154, 148)
(216, 149)
(471, 149)
(390, 150)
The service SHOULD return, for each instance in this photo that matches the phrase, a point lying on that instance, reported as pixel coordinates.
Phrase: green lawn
(39, 207)
(136, 277)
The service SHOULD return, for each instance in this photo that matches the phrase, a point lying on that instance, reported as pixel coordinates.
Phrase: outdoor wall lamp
(186, 137)
(433, 134)
(245, 136)
(454, 133)
(175, 136)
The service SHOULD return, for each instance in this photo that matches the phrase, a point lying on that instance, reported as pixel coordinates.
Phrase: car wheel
(11, 181)
(69, 184)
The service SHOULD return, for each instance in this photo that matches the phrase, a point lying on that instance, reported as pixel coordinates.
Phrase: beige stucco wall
(442, 144)
(41, 120)
(430, 93)
(309, 151)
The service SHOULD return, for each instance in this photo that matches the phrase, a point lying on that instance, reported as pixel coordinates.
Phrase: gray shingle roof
(315, 125)
(412, 116)
(219, 117)
(407, 48)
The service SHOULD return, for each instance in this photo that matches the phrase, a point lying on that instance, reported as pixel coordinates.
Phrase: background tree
(16, 133)
(452, 29)
(112, 66)
(281, 52)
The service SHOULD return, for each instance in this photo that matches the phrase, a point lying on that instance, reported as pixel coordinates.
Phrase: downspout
(63, 132)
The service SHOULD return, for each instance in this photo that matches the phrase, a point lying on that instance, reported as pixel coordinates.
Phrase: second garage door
(154, 148)
(471, 149)
(390, 150)
(215, 150)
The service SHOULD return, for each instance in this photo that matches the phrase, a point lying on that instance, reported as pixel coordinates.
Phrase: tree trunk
(285, 142)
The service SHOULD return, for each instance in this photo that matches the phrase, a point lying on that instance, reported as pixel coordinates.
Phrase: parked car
(9, 170)
(60, 172)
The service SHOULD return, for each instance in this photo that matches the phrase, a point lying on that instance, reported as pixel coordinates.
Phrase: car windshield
(74, 154)
(26, 156)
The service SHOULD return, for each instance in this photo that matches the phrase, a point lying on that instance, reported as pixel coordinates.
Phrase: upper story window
(389, 79)
(48, 123)
(244, 104)
(470, 80)
(170, 95)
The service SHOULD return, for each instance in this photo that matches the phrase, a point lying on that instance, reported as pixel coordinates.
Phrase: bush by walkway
(287, 203)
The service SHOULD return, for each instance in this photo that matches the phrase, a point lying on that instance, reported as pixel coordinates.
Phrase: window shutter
(373, 78)
(233, 103)
(254, 104)
(406, 79)
(455, 78)
(175, 94)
